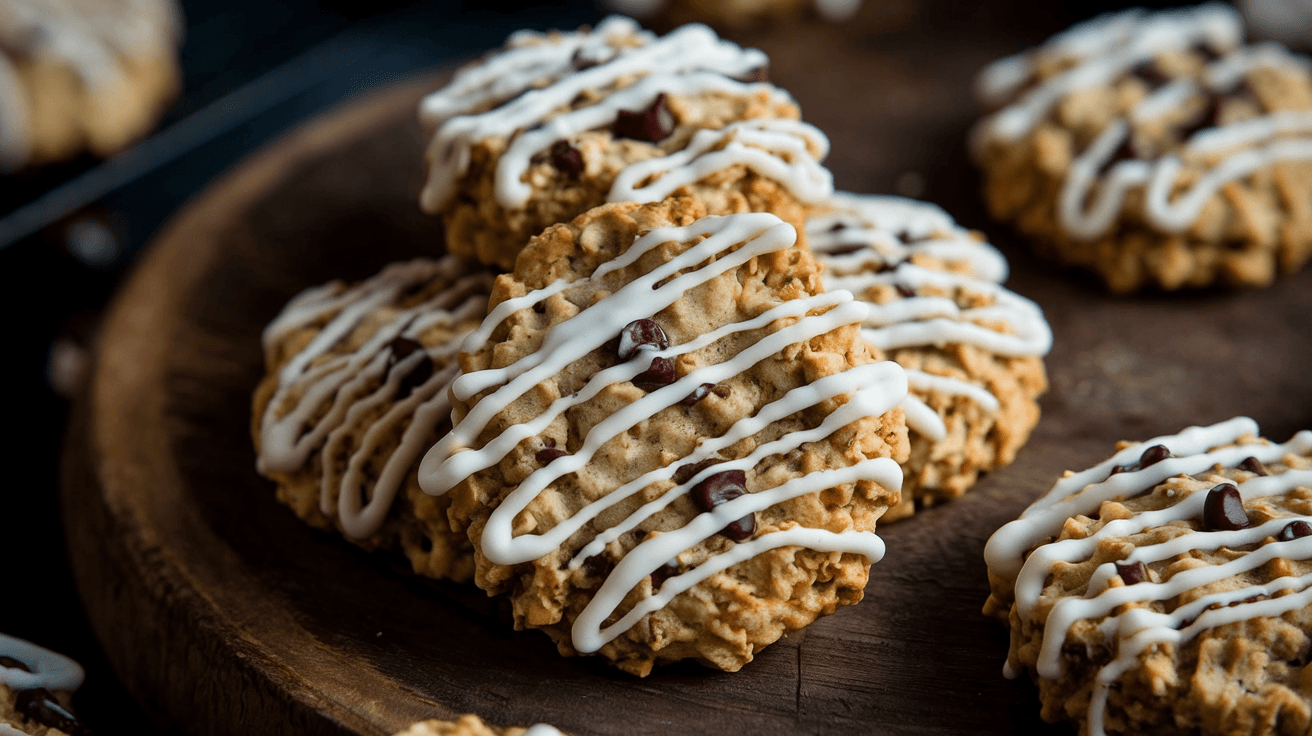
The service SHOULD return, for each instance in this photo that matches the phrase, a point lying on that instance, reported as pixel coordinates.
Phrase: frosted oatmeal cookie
(36, 691)
(1169, 588)
(1155, 149)
(672, 443)
(81, 75)
(356, 391)
(472, 725)
(539, 132)
(973, 350)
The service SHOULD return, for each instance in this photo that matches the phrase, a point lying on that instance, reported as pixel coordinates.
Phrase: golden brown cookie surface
(83, 75)
(1155, 149)
(657, 452)
(973, 350)
(556, 124)
(356, 391)
(1167, 589)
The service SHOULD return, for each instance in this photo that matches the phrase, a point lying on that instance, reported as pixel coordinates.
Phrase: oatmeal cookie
(356, 391)
(973, 350)
(1155, 149)
(671, 444)
(36, 691)
(1168, 590)
(81, 75)
(472, 725)
(540, 132)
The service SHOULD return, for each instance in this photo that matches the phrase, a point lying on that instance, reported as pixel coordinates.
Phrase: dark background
(252, 71)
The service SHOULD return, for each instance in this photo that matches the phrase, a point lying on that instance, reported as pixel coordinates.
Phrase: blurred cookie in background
(732, 13)
(83, 75)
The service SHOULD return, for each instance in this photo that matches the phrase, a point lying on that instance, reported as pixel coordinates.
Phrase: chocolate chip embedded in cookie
(83, 75)
(539, 132)
(356, 392)
(36, 689)
(1154, 149)
(973, 350)
(671, 529)
(1172, 596)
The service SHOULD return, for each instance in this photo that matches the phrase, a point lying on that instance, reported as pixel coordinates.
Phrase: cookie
(671, 444)
(973, 350)
(83, 75)
(36, 690)
(1154, 149)
(356, 391)
(472, 725)
(1169, 588)
(735, 13)
(538, 133)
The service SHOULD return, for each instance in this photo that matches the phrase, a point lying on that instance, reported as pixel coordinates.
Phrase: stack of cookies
(657, 394)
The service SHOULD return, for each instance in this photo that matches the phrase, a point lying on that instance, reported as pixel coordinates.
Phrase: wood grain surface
(220, 609)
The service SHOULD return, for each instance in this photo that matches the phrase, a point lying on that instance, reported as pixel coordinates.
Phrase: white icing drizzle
(1109, 47)
(688, 61)
(879, 388)
(1195, 452)
(340, 384)
(889, 231)
(788, 151)
(881, 223)
(49, 670)
(90, 36)
(543, 729)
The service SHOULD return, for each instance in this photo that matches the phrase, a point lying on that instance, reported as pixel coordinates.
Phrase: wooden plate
(222, 611)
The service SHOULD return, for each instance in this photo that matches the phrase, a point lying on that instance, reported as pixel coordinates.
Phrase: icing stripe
(50, 670)
(788, 151)
(879, 388)
(690, 60)
(339, 383)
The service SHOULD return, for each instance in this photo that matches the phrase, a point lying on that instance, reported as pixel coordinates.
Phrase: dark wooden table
(222, 610)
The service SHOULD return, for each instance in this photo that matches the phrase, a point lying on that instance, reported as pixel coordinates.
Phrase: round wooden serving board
(223, 612)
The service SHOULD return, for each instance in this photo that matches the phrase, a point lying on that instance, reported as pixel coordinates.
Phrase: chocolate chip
(1252, 465)
(1132, 573)
(837, 227)
(1294, 530)
(663, 573)
(1150, 456)
(1149, 73)
(540, 307)
(1153, 455)
(1208, 53)
(702, 391)
(721, 488)
(547, 454)
(567, 159)
(684, 473)
(581, 62)
(742, 529)
(641, 334)
(656, 123)
(597, 566)
(906, 292)
(40, 706)
(400, 349)
(13, 664)
(843, 250)
(660, 373)
(1224, 509)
